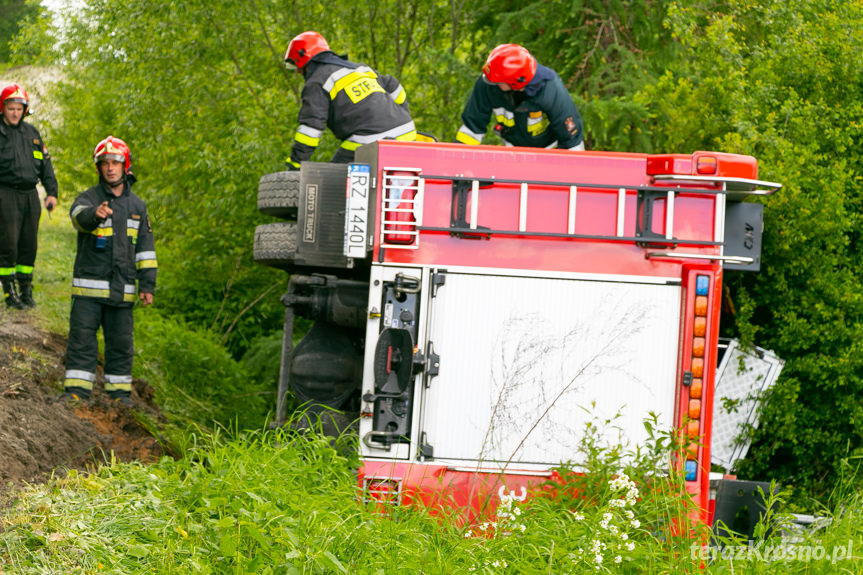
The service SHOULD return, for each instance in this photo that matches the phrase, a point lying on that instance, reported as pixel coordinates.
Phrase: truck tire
(279, 194)
(276, 245)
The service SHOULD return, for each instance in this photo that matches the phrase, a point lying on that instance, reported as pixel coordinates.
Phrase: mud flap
(740, 506)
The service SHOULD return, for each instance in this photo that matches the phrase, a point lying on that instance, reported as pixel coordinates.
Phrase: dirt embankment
(40, 436)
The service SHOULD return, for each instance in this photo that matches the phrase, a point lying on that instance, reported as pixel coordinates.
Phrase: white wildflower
(618, 559)
(635, 523)
(630, 546)
(579, 516)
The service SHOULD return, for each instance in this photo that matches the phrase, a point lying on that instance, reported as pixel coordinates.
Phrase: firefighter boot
(10, 293)
(25, 289)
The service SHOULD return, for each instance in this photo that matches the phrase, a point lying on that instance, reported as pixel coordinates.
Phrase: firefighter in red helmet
(528, 101)
(355, 102)
(24, 161)
(115, 265)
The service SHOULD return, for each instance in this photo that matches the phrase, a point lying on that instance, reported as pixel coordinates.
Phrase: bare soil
(41, 437)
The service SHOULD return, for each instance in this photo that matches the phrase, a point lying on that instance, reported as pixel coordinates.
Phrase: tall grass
(271, 502)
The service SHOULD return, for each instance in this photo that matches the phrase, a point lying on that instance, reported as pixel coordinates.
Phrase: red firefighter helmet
(510, 64)
(112, 148)
(303, 47)
(14, 93)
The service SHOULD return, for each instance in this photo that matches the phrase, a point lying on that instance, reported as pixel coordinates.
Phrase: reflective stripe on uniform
(350, 145)
(357, 84)
(399, 96)
(77, 210)
(104, 229)
(406, 132)
(145, 260)
(129, 292)
(537, 122)
(308, 135)
(78, 378)
(91, 288)
(466, 136)
(118, 383)
(7, 272)
(504, 117)
(27, 270)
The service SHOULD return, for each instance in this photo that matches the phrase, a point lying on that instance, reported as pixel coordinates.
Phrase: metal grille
(741, 381)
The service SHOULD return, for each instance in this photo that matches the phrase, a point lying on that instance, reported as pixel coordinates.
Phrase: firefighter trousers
(19, 227)
(82, 350)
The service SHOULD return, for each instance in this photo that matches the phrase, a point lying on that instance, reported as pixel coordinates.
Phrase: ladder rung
(474, 203)
(522, 208)
(621, 206)
(669, 215)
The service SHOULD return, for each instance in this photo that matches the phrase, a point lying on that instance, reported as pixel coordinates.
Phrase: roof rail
(737, 188)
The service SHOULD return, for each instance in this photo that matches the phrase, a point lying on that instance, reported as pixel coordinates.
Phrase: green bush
(195, 378)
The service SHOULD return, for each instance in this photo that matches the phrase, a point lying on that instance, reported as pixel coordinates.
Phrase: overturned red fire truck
(470, 302)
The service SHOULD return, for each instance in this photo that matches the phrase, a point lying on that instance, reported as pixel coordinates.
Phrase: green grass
(270, 502)
(53, 270)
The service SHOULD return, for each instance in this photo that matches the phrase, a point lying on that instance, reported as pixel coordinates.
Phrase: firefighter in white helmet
(356, 103)
(24, 161)
(528, 102)
(116, 251)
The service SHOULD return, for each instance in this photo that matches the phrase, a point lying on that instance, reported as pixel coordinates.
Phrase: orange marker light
(692, 428)
(697, 368)
(706, 165)
(694, 408)
(701, 305)
(699, 328)
(698, 347)
(695, 388)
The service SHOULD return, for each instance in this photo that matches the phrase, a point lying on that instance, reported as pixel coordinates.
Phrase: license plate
(357, 210)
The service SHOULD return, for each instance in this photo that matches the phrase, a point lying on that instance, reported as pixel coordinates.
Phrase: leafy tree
(782, 81)
(12, 14)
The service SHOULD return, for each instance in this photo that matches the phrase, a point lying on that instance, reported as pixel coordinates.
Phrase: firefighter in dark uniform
(115, 248)
(24, 161)
(528, 101)
(358, 105)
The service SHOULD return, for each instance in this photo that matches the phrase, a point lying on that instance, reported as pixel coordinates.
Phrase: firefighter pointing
(115, 250)
(528, 102)
(356, 103)
(24, 161)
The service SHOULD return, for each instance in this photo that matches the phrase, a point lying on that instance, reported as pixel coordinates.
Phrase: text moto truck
(477, 305)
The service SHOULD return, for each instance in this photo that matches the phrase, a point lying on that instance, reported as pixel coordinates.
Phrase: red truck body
(514, 294)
